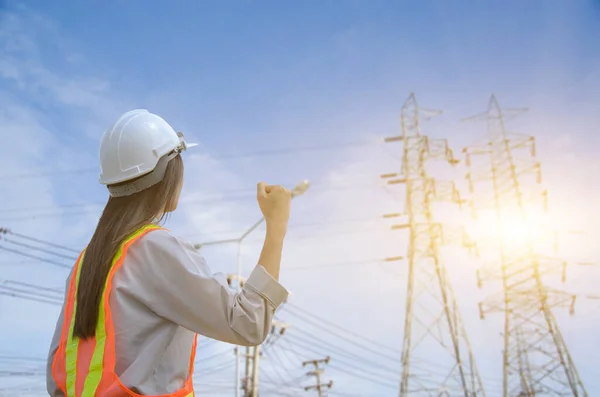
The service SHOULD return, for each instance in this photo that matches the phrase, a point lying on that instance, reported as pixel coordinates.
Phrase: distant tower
(536, 361)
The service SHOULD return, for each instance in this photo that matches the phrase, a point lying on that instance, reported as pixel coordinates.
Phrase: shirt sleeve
(177, 284)
(51, 387)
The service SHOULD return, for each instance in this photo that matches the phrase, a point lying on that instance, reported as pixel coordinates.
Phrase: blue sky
(241, 77)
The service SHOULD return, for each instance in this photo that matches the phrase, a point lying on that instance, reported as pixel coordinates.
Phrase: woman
(137, 296)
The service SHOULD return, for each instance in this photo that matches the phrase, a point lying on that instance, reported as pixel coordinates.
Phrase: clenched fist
(274, 202)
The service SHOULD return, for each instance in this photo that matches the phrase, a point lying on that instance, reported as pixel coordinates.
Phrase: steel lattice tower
(536, 361)
(436, 356)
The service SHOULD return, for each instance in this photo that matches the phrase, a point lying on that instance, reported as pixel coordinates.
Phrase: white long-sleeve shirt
(163, 294)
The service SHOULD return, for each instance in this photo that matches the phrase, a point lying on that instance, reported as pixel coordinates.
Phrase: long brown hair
(121, 217)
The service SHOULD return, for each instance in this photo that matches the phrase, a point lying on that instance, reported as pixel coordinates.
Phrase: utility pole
(248, 355)
(536, 361)
(253, 359)
(246, 380)
(433, 328)
(250, 379)
(254, 372)
(249, 382)
(317, 372)
(252, 355)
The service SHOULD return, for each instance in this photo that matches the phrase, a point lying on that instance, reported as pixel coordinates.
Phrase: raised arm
(174, 280)
(274, 203)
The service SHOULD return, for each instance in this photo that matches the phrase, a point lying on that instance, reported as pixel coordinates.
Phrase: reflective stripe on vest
(85, 368)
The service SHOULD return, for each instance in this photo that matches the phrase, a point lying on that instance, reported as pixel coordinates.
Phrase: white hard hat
(138, 145)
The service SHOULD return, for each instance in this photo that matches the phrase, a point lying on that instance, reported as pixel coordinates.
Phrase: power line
(279, 367)
(34, 286)
(332, 349)
(332, 233)
(42, 242)
(336, 264)
(73, 258)
(291, 307)
(216, 368)
(292, 268)
(216, 196)
(310, 347)
(42, 294)
(284, 367)
(91, 208)
(298, 225)
(21, 253)
(296, 357)
(221, 353)
(30, 297)
(33, 247)
(347, 339)
(5, 231)
(355, 374)
(45, 251)
(291, 237)
(363, 377)
(294, 383)
(27, 291)
(310, 339)
(344, 394)
(259, 153)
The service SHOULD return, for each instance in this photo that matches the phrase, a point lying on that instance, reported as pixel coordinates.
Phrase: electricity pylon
(433, 329)
(536, 361)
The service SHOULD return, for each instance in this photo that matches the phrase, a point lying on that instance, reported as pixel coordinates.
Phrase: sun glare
(512, 228)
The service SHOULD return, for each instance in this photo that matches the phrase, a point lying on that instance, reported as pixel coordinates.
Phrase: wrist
(276, 228)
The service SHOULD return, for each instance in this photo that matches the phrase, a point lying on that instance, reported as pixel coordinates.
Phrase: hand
(274, 202)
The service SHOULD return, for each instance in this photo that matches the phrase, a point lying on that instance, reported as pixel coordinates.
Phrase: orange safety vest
(86, 368)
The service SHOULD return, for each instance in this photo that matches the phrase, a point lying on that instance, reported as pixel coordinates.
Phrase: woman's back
(163, 284)
(152, 352)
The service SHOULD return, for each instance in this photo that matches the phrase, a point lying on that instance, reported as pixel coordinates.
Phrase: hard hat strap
(146, 181)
